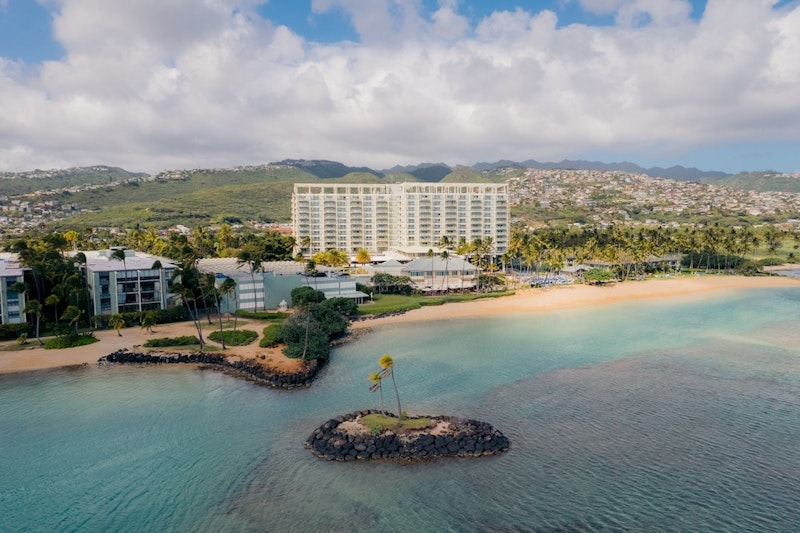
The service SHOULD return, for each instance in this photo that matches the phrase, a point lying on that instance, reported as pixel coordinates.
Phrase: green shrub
(133, 318)
(241, 337)
(13, 331)
(771, 261)
(70, 341)
(272, 336)
(186, 340)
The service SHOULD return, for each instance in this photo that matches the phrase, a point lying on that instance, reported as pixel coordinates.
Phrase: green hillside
(197, 197)
(14, 183)
(759, 181)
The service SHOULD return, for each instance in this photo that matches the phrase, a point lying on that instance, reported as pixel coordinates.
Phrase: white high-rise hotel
(375, 217)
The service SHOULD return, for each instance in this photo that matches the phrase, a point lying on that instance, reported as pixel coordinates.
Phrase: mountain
(325, 169)
(674, 173)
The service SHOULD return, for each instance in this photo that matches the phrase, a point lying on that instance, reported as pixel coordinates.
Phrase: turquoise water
(671, 416)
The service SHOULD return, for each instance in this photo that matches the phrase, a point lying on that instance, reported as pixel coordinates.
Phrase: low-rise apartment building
(139, 282)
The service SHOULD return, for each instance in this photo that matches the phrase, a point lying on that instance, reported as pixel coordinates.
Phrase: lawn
(392, 303)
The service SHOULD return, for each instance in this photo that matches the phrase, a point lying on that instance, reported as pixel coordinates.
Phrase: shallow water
(680, 415)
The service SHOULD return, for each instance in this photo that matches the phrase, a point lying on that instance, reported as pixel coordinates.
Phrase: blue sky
(152, 85)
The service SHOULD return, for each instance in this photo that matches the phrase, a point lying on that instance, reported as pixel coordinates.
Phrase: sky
(155, 85)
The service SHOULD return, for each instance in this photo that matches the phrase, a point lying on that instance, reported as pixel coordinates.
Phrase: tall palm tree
(186, 289)
(228, 288)
(376, 379)
(253, 263)
(387, 364)
(445, 256)
(119, 255)
(430, 253)
(53, 300)
(35, 308)
(209, 280)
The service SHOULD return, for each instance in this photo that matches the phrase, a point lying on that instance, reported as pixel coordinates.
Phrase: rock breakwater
(247, 368)
(344, 439)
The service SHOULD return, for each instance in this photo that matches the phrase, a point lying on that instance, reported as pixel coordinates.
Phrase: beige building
(378, 217)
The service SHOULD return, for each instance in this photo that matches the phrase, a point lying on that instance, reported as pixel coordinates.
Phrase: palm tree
(430, 253)
(228, 288)
(387, 364)
(117, 322)
(186, 290)
(209, 279)
(53, 300)
(376, 379)
(362, 256)
(35, 308)
(73, 314)
(445, 256)
(118, 254)
(253, 262)
(148, 321)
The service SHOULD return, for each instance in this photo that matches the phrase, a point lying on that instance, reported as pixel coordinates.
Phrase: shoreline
(569, 296)
(524, 301)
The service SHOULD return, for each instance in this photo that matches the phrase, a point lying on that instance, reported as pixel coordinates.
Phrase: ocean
(665, 415)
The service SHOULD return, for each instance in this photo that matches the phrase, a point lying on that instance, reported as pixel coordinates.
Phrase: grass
(226, 324)
(392, 303)
(240, 337)
(377, 421)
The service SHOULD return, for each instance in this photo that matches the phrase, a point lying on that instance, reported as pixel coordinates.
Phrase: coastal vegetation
(229, 337)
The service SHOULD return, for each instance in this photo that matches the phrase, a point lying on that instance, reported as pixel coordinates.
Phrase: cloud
(150, 85)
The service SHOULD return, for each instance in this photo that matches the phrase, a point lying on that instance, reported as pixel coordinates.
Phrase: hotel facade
(379, 217)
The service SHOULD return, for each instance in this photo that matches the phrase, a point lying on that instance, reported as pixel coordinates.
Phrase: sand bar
(528, 300)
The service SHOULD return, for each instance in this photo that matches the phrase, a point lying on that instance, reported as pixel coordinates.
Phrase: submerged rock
(344, 438)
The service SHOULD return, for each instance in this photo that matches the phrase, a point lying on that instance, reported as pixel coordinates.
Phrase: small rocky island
(347, 438)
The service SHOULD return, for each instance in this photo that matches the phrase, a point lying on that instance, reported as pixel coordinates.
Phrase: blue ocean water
(677, 415)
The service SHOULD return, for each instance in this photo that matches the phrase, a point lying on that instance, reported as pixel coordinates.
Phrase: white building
(139, 282)
(11, 303)
(259, 290)
(378, 217)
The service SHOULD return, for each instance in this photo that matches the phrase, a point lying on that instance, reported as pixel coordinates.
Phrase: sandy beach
(34, 357)
(560, 297)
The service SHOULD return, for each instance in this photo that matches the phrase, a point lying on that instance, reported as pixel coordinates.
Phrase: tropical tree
(53, 300)
(117, 322)
(209, 281)
(387, 365)
(73, 315)
(228, 289)
(118, 254)
(249, 257)
(148, 321)
(35, 308)
(431, 254)
(376, 380)
(187, 290)
(362, 256)
(445, 256)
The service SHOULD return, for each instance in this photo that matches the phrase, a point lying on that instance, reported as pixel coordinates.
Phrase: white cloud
(150, 85)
